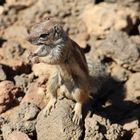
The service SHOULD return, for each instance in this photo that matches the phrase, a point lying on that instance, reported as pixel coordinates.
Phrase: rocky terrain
(111, 31)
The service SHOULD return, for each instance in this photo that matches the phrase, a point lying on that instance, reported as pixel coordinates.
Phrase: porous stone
(100, 19)
(8, 94)
(17, 135)
(23, 120)
(121, 49)
(133, 88)
(98, 127)
(58, 125)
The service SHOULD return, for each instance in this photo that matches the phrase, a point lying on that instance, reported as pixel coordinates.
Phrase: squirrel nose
(32, 40)
(29, 39)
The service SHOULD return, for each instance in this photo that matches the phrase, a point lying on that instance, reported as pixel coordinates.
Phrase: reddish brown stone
(17, 135)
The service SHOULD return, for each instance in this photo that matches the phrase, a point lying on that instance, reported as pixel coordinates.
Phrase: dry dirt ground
(111, 28)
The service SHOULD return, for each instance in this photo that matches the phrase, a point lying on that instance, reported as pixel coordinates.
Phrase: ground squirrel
(70, 73)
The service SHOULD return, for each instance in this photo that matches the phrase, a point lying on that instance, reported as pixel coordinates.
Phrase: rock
(37, 93)
(58, 125)
(14, 67)
(136, 135)
(23, 81)
(2, 121)
(81, 39)
(12, 49)
(71, 27)
(27, 112)
(19, 3)
(15, 55)
(7, 17)
(91, 130)
(8, 94)
(97, 127)
(119, 73)
(24, 120)
(133, 88)
(119, 48)
(2, 74)
(17, 135)
(8, 33)
(133, 4)
(102, 84)
(96, 68)
(19, 67)
(99, 79)
(111, 1)
(131, 124)
(115, 131)
(100, 19)
(136, 39)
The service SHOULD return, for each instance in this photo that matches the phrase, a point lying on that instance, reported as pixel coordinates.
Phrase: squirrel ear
(57, 28)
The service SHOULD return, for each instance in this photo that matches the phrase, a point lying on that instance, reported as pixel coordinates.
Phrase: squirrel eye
(43, 36)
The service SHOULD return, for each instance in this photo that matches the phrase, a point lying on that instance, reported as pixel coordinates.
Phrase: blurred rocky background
(111, 29)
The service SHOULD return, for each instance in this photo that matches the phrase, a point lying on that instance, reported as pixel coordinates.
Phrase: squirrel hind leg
(77, 113)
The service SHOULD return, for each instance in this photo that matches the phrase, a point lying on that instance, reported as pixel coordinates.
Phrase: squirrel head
(51, 41)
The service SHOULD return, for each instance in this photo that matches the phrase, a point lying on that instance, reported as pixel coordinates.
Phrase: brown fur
(70, 72)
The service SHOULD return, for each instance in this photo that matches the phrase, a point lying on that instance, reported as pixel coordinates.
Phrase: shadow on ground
(110, 103)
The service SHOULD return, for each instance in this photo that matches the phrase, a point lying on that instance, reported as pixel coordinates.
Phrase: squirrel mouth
(41, 51)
